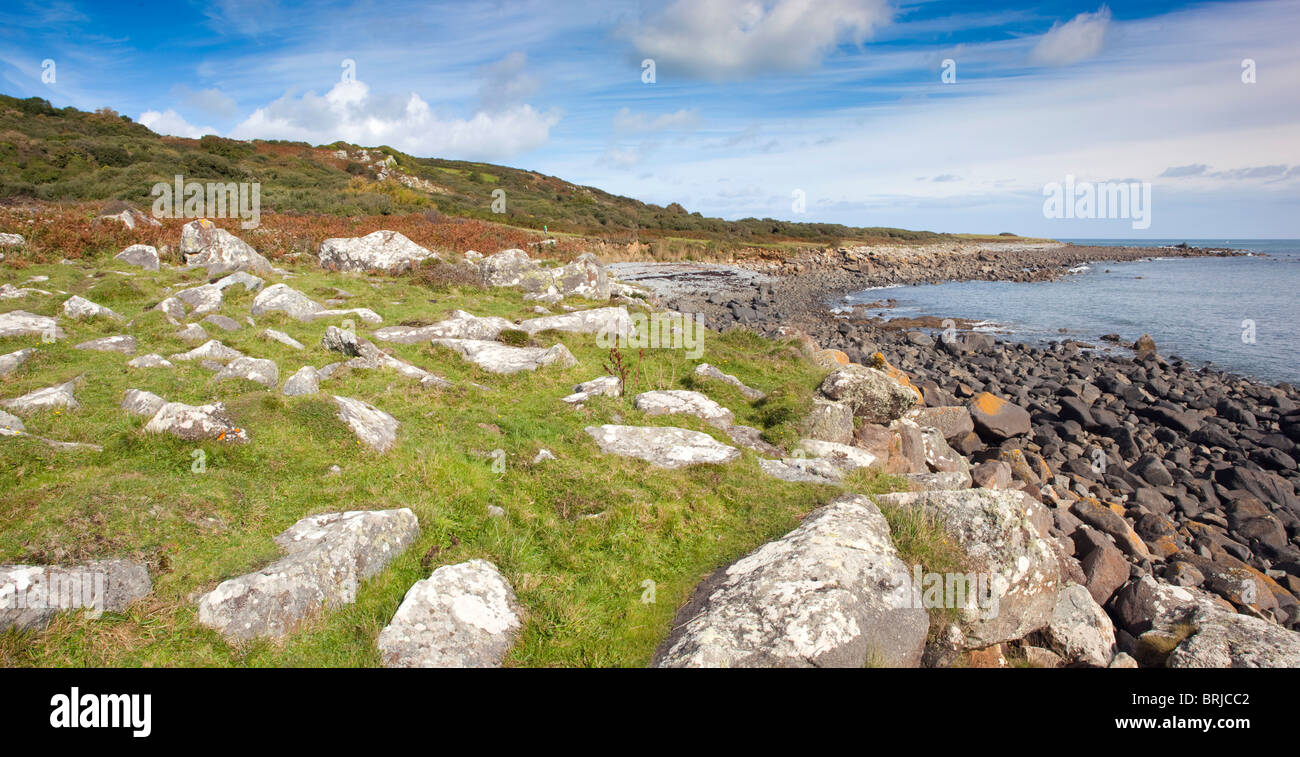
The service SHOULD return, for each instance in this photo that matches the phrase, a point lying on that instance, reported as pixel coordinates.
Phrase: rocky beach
(1153, 469)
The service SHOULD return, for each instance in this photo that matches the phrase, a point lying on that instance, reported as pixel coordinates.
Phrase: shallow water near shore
(1193, 307)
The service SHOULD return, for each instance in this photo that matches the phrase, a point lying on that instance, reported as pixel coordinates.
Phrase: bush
(440, 276)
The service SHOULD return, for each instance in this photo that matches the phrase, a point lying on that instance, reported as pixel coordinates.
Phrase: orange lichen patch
(1116, 508)
(1164, 546)
(989, 404)
(879, 362)
(830, 359)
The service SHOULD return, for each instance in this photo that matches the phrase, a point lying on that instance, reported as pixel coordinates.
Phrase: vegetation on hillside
(65, 154)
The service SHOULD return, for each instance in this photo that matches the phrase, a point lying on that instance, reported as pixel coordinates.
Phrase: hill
(65, 154)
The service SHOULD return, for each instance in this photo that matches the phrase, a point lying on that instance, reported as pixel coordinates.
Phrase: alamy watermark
(54, 589)
(212, 199)
(970, 592)
(665, 331)
(1101, 200)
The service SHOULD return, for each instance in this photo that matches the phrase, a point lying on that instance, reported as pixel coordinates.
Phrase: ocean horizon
(1235, 314)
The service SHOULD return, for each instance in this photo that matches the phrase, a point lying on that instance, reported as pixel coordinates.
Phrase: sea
(1239, 314)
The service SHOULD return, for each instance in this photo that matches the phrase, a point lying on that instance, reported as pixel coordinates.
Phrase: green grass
(581, 533)
(921, 539)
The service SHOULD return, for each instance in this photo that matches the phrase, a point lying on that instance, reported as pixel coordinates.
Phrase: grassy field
(580, 536)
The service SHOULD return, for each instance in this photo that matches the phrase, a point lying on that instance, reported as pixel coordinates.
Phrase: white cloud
(350, 112)
(626, 121)
(170, 122)
(1078, 39)
(507, 83)
(733, 39)
(212, 101)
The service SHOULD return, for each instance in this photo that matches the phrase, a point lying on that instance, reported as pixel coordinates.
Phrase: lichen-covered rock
(513, 268)
(499, 358)
(11, 425)
(951, 421)
(196, 423)
(210, 350)
(604, 386)
(842, 456)
(11, 362)
(49, 398)
(77, 307)
(140, 402)
(304, 381)
(827, 594)
(996, 419)
(379, 251)
(997, 531)
(328, 557)
(204, 245)
(673, 401)
(372, 426)
(285, 299)
(257, 370)
(31, 595)
(584, 277)
(704, 370)
(125, 344)
(250, 282)
(201, 299)
(22, 323)
(225, 323)
(11, 240)
(829, 422)
(283, 338)
(193, 333)
(1224, 640)
(461, 325)
(1079, 630)
(809, 470)
(610, 322)
(664, 446)
(873, 395)
(143, 255)
(462, 616)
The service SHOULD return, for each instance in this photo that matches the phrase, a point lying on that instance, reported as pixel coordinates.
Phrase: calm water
(1193, 307)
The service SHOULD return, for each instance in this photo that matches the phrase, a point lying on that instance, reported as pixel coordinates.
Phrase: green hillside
(65, 154)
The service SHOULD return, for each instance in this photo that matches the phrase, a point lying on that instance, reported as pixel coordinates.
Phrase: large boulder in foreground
(31, 595)
(996, 419)
(380, 251)
(824, 595)
(664, 446)
(328, 557)
(1018, 565)
(206, 246)
(462, 616)
(873, 395)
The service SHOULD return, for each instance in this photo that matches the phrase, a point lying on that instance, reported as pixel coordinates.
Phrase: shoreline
(1191, 471)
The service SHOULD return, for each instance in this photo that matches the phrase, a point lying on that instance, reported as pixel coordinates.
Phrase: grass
(921, 539)
(580, 536)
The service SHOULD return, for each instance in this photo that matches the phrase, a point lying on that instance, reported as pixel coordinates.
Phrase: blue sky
(754, 102)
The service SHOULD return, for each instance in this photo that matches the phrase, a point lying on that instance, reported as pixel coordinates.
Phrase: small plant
(515, 337)
(616, 367)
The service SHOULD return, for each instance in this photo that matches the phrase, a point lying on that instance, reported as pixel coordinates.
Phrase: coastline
(1200, 464)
